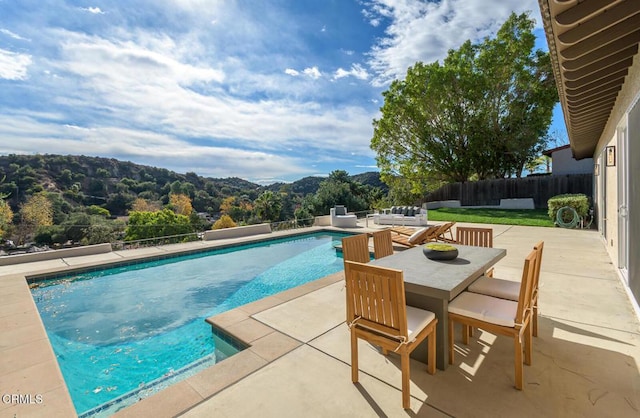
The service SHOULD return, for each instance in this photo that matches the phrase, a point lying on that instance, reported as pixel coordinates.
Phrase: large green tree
(337, 189)
(482, 113)
(268, 206)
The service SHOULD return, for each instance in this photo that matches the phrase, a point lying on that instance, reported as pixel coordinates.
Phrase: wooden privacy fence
(489, 192)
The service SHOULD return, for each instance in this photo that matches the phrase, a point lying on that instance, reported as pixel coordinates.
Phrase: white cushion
(417, 319)
(414, 237)
(500, 288)
(485, 308)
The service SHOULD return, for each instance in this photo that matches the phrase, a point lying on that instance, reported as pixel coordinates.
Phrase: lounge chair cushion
(340, 210)
(411, 211)
(416, 235)
(499, 288)
(417, 319)
(485, 308)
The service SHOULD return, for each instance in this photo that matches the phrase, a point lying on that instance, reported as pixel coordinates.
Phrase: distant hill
(115, 184)
(310, 185)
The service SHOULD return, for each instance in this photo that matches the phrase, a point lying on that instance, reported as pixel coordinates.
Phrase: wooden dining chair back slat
(499, 316)
(377, 313)
(382, 243)
(356, 248)
(477, 237)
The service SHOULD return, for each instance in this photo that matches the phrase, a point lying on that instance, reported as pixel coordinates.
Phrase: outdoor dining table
(432, 284)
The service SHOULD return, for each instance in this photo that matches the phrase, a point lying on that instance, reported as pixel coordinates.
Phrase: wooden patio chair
(356, 248)
(444, 230)
(478, 237)
(419, 236)
(499, 316)
(377, 313)
(510, 289)
(382, 243)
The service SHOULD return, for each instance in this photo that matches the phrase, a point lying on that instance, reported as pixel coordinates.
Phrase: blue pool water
(119, 331)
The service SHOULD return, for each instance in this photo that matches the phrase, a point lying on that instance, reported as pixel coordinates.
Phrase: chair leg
(406, 390)
(535, 319)
(518, 362)
(465, 334)
(528, 344)
(431, 356)
(354, 357)
(450, 341)
(471, 329)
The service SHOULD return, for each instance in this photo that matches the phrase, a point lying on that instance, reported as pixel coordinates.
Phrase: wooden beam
(629, 42)
(619, 70)
(581, 11)
(602, 38)
(622, 56)
(609, 17)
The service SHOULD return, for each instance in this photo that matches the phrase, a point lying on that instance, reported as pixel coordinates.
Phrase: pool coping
(28, 355)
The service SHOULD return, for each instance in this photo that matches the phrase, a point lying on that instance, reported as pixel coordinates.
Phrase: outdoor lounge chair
(377, 313)
(498, 316)
(443, 231)
(342, 219)
(403, 230)
(418, 237)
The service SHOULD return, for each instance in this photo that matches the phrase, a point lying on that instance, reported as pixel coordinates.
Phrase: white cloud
(292, 72)
(356, 71)
(14, 66)
(312, 72)
(13, 35)
(143, 147)
(425, 31)
(93, 10)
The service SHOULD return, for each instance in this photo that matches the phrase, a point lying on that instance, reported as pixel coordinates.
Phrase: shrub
(579, 202)
(163, 223)
(97, 210)
(225, 221)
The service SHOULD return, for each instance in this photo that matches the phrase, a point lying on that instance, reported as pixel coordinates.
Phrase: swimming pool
(122, 333)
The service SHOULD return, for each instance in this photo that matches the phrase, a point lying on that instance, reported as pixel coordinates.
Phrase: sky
(268, 91)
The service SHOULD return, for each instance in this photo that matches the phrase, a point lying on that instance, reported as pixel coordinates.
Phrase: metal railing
(152, 242)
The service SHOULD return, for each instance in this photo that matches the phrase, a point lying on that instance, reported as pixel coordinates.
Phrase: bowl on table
(438, 251)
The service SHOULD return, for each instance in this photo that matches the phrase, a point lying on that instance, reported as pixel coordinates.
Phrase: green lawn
(528, 217)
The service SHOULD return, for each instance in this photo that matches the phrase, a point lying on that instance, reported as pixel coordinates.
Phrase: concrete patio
(585, 361)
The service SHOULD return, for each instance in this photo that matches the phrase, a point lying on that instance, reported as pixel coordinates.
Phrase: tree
(144, 205)
(268, 206)
(181, 204)
(225, 221)
(37, 211)
(482, 113)
(337, 189)
(6, 216)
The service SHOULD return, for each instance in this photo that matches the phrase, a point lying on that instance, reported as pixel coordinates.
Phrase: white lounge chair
(342, 219)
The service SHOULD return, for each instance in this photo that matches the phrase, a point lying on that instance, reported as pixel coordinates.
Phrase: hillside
(115, 184)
